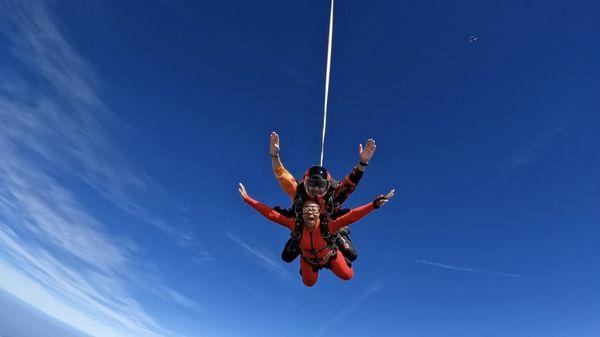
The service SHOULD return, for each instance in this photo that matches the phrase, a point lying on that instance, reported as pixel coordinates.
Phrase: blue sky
(125, 128)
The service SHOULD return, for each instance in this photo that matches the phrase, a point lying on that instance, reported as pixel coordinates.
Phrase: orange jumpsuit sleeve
(270, 213)
(286, 181)
(347, 186)
(351, 217)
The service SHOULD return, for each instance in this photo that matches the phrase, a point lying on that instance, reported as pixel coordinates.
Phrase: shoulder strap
(297, 210)
(331, 204)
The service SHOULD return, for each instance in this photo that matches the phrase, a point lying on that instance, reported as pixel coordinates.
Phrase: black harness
(331, 205)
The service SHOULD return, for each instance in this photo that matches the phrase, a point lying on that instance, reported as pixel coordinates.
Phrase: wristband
(275, 156)
(363, 164)
(376, 200)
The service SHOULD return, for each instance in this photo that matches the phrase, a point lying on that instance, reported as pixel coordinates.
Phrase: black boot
(345, 244)
(290, 251)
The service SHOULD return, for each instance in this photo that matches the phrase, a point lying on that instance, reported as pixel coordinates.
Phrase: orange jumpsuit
(314, 249)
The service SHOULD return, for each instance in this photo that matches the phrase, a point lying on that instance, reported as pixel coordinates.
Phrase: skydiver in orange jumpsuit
(316, 250)
(317, 185)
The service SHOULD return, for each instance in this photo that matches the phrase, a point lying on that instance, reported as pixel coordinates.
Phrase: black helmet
(317, 176)
(318, 172)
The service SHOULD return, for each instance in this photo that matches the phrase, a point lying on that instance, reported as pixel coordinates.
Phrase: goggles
(317, 182)
(313, 210)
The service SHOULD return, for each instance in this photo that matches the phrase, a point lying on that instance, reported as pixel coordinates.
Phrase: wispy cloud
(90, 297)
(466, 269)
(367, 293)
(262, 256)
(55, 253)
(61, 123)
(278, 64)
(531, 152)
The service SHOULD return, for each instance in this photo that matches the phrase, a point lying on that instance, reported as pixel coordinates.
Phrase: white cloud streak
(62, 121)
(264, 258)
(54, 253)
(367, 293)
(530, 153)
(466, 269)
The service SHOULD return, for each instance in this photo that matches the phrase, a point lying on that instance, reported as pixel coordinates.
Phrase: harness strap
(321, 263)
(297, 208)
(296, 235)
(332, 204)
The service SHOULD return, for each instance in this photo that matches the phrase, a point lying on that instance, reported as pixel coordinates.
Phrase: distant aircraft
(473, 39)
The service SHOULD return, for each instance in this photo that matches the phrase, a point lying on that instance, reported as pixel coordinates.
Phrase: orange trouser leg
(309, 276)
(340, 268)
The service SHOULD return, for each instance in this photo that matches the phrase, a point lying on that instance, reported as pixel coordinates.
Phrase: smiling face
(310, 214)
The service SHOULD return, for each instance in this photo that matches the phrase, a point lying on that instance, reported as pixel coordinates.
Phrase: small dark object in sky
(473, 39)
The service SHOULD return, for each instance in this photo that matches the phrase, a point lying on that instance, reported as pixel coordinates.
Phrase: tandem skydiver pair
(318, 224)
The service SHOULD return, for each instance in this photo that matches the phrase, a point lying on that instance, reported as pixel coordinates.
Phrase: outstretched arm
(347, 186)
(360, 212)
(265, 210)
(285, 178)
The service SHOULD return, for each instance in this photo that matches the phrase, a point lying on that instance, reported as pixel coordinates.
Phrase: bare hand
(242, 191)
(274, 144)
(366, 154)
(383, 200)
